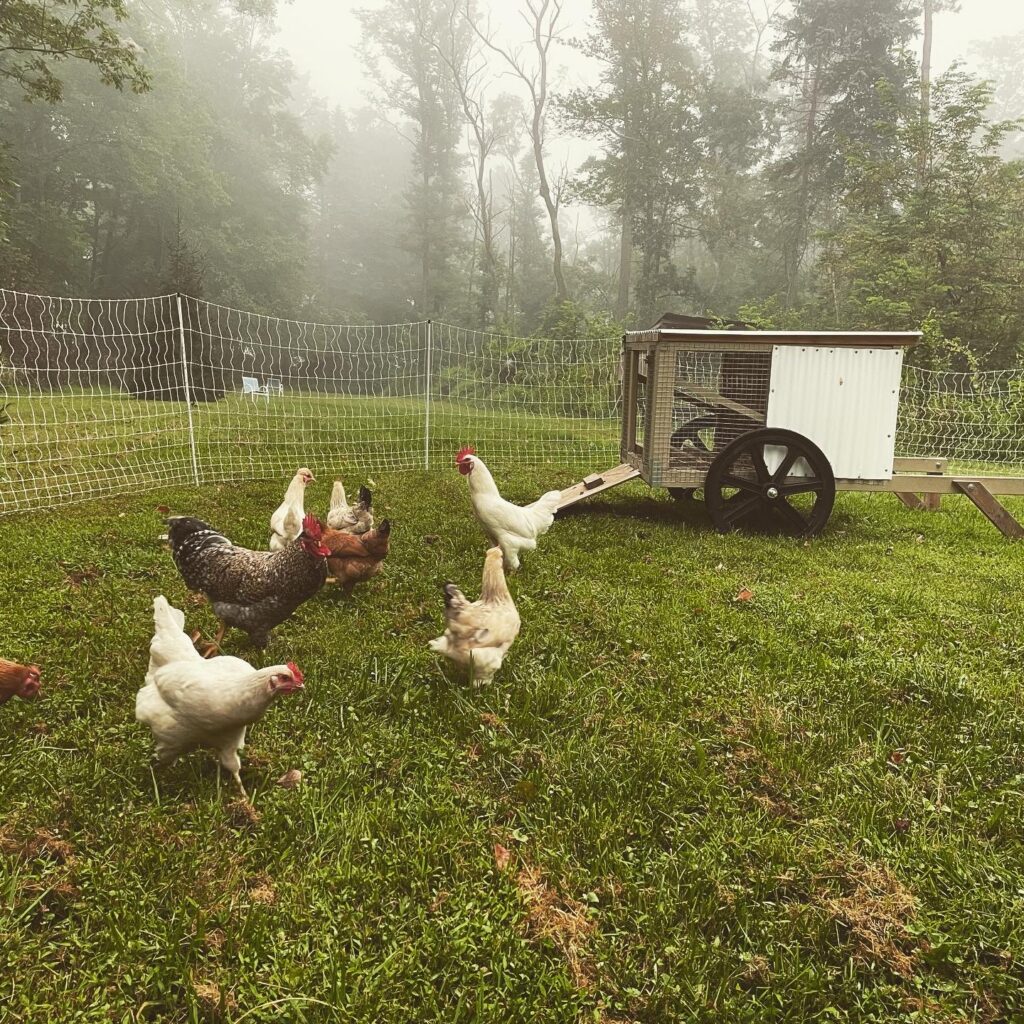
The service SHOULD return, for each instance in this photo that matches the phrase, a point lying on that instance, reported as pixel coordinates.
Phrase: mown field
(673, 805)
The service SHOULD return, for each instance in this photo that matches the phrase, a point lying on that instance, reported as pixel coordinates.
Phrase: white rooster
(513, 528)
(189, 701)
(480, 633)
(286, 522)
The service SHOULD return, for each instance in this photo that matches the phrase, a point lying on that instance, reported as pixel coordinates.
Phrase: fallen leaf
(897, 757)
(162, 509)
(290, 779)
(901, 825)
(502, 857)
(744, 595)
(431, 538)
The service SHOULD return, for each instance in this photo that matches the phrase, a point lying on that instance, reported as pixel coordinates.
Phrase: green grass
(708, 787)
(61, 447)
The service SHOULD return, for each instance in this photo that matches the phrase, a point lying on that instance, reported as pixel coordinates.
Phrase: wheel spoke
(735, 510)
(791, 517)
(786, 465)
(757, 458)
(731, 480)
(800, 485)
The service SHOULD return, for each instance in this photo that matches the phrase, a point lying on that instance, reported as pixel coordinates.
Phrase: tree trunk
(625, 264)
(926, 90)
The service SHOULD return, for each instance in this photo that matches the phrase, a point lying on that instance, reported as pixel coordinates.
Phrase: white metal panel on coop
(845, 399)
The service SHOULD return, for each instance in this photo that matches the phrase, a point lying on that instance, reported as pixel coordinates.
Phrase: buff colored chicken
(18, 681)
(480, 633)
(356, 519)
(513, 528)
(286, 522)
(190, 702)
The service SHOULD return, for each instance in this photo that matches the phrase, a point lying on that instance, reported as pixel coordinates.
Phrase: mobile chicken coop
(770, 424)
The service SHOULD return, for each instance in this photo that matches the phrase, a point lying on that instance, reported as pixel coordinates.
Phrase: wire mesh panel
(717, 395)
(524, 401)
(976, 420)
(86, 392)
(271, 394)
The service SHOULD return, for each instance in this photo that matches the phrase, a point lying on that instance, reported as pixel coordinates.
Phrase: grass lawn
(804, 806)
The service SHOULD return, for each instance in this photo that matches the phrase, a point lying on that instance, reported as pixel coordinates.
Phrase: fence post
(426, 420)
(188, 392)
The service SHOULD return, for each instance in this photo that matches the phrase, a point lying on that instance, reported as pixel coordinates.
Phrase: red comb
(463, 452)
(296, 674)
(313, 526)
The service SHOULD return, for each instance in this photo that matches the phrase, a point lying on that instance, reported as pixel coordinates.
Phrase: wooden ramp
(597, 482)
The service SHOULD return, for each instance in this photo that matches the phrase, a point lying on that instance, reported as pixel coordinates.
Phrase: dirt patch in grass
(42, 844)
(261, 890)
(874, 907)
(215, 1002)
(563, 920)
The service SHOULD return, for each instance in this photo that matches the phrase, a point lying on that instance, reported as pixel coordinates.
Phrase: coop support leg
(986, 501)
(910, 500)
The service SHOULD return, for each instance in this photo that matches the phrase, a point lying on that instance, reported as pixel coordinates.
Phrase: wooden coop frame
(770, 424)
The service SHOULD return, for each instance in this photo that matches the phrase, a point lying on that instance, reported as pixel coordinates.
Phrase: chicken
(190, 702)
(356, 559)
(480, 633)
(251, 590)
(513, 528)
(355, 519)
(286, 522)
(18, 681)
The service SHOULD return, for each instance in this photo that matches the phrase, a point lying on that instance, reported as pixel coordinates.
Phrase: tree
(468, 69)
(929, 9)
(408, 34)
(36, 36)
(542, 19)
(644, 112)
(944, 249)
(840, 61)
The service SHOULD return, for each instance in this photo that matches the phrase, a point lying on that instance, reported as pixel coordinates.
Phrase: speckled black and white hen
(253, 591)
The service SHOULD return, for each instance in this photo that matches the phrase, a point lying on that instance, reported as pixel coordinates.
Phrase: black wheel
(682, 493)
(770, 479)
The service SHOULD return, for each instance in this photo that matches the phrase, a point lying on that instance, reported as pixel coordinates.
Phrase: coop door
(845, 400)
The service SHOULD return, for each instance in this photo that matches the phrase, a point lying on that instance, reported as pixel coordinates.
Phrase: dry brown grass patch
(563, 920)
(874, 907)
(215, 1002)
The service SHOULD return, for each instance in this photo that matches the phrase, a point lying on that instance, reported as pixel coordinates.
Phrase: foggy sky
(323, 39)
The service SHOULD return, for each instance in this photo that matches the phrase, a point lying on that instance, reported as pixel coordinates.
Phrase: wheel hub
(771, 492)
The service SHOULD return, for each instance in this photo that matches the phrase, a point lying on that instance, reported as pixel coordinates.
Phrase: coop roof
(699, 329)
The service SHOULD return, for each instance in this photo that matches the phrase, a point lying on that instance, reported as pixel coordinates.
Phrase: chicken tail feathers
(365, 496)
(338, 499)
(454, 599)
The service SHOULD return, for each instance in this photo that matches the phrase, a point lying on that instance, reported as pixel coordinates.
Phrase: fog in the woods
(533, 167)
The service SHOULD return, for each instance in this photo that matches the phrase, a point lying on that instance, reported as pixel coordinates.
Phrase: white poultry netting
(93, 399)
(102, 397)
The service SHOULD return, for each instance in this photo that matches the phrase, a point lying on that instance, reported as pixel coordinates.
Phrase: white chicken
(480, 633)
(189, 701)
(513, 528)
(286, 522)
(356, 519)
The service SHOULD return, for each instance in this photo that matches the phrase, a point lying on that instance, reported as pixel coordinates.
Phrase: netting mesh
(105, 397)
(102, 397)
(976, 420)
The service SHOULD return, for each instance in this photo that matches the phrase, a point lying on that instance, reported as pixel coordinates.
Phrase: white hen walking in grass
(189, 701)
